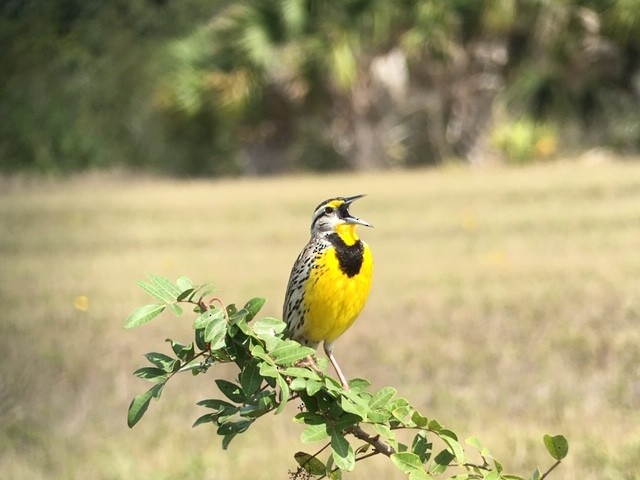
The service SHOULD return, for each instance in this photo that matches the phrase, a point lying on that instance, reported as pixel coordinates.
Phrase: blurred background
(498, 144)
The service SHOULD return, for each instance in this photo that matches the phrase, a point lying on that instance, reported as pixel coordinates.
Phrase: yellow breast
(333, 299)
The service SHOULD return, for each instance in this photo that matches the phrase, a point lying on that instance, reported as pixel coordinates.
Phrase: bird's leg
(328, 349)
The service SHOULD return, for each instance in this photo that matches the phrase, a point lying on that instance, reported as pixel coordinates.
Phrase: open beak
(350, 219)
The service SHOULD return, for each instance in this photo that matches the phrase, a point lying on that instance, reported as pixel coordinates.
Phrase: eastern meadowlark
(330, 280)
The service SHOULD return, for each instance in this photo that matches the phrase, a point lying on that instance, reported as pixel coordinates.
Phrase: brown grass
(505, 304)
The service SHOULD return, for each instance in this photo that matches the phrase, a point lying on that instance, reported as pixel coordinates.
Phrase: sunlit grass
(505, 304)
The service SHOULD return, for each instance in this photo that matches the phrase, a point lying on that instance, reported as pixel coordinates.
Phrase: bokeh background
(497, 142)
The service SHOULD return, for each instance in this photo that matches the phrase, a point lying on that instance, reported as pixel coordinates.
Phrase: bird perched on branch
(330, 281)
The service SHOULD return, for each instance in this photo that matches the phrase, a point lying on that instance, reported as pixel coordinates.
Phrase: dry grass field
(506, 304)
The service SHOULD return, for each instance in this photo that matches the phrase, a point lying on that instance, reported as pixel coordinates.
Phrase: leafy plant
(352, 424)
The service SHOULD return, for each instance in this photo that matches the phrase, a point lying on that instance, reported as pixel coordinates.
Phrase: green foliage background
(216, 87)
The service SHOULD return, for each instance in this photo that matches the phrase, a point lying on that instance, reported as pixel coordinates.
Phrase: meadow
(506, 304)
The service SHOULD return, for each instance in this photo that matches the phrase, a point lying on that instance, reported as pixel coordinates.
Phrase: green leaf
(268, 370)
(186, 293)
(140, 403)
(420, 475)
(185, 353)
(184, 283)
(156, 292)
(342, 453)
(284, 393)
(250, 378)
(227, 440)
(421, 446)
(200, 343)
(311, 464)
(492, 475)
(407, 462)
(345, 420)
(557, 446)
(441, 461)
(253, 306)
(314, 433)
(215, 333)
(455, 447)
(230, 390)
(163, 361)
(211, 315)
(152, 374)
(351, 407)
(358, 385)
(176, 309)
(536, 475)
(206, 418)
(143, 314)
(419, 419)
(171, 290)
(268, 326)
(238, 426)
(290, 352)
(219, 405)
(313, 387)
(298, 372)
(382, 397)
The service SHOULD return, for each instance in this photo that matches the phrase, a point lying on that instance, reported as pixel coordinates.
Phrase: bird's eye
(328, 210)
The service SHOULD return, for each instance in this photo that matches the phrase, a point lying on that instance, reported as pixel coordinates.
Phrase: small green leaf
(206, 418)
(219, 405)
(455, 447)
(163, 361)
(268, 370)
(284, 393)
(311, 464)
(156, 292)
(314, 433)
(185, 294)
(342, 452)
(313, 387)
(268, 326)
(358, 385)
(185, 353)
(441, 461)
(290, 352)
(419, 419)
(557, 446)
(382, 397)
(152, 374)
(351, 407)
(421, 475)
(206, 318)
(253, 306)
(143, 314)
(176, 309)
(492, 475)
(407, 462)
(238, 426)
(298, 372)
(227, 440)
(170, 289)
(536, 475)
(421, 446)
(140, 403)
(250, 378)
(230, 390)
(184, 283)
(215, 333)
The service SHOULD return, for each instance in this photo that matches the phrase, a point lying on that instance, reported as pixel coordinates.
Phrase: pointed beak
(351, 219)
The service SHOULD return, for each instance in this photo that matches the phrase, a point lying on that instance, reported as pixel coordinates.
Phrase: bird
(330, 280)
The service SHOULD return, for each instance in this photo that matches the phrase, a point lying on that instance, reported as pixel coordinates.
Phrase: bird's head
(333, 216)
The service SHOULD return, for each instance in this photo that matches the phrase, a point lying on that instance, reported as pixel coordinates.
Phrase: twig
(544, 475)
(374, 441)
